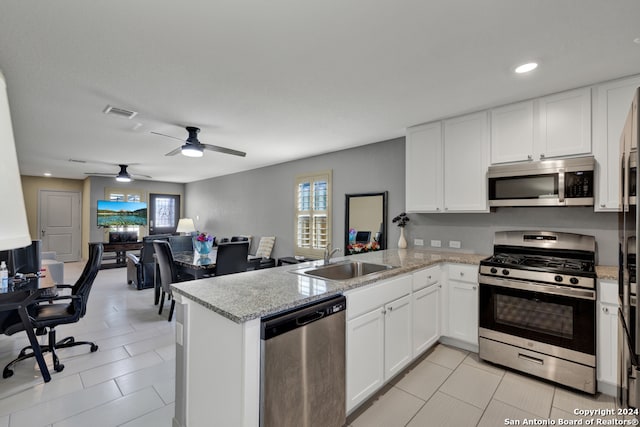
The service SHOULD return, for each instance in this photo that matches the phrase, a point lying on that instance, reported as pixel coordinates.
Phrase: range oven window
(552, 319)
(535, 315)
(523, 187)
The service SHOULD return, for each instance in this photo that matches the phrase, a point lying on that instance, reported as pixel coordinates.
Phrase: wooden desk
(19, 297)
(119, 253)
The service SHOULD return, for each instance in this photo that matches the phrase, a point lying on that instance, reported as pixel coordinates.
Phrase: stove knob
(574, 280)
(558, 278)
(493, 270)
(505, 272)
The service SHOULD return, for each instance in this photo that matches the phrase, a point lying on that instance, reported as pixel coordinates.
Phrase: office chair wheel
(59, 367)
(94, 348)
(7, 373)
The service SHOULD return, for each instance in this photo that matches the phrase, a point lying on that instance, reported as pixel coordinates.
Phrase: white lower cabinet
(462, 313)
(607, 334)
(365, 356)
(378, 336)
(426, 318)
(397, 336)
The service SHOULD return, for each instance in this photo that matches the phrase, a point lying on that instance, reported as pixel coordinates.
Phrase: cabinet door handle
(542, 156)
(461, 274)
(605, 309)
(529, 157)
(474, 288)
(384, 311)
(390, 308)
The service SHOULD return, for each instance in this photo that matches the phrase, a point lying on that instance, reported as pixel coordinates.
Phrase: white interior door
(59, 223)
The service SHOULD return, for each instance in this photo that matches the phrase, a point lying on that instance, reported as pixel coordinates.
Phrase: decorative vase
(402, 242)
(203, 248)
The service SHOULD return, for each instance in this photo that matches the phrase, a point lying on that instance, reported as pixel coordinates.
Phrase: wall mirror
(366, 218)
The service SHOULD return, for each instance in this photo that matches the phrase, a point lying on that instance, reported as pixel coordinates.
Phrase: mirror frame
(348, 197)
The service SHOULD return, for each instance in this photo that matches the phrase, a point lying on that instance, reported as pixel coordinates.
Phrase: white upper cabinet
(512, 133)
(564, 124)
(446, 165)
(612, 102)
(558, 125)
(424, 168)
(466, 159)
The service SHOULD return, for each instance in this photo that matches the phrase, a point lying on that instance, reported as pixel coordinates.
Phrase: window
(312, 214)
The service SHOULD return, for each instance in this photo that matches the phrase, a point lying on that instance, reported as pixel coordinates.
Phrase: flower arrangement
(355, 248)
(204, 237)
(401, 219)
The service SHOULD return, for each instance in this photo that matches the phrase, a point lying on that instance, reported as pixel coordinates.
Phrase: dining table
(19, 295)
(191, 262)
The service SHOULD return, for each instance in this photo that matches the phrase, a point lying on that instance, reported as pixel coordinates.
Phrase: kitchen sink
(344, 270)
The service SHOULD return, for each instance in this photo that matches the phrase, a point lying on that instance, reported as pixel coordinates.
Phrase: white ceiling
(281, 79)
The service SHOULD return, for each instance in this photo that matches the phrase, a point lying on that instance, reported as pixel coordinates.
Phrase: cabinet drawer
(608, 292)
(365, 299)
(426, 277)
(463, 273)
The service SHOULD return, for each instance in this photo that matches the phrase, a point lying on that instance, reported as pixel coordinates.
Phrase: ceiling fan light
(192, 151)
(122, 178)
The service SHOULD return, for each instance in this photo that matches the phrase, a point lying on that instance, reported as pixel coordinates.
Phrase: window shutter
(313, 225)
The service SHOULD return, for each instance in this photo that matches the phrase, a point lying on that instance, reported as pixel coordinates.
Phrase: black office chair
(169, 273)
(59, 310)
(231, 258)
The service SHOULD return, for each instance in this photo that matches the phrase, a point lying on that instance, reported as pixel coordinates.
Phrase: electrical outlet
(454, 244)
(418, 242)
(436, 243)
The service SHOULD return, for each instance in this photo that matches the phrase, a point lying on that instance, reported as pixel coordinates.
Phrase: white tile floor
(452, 387)
(129, 381)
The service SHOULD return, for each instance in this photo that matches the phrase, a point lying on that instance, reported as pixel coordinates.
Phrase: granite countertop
(245, 296)
(254, 294)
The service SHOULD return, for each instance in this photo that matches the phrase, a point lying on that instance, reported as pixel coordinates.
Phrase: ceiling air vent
(120, 112)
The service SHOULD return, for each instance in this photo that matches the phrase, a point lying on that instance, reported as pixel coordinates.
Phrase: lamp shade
(185, 225)
(14, 231)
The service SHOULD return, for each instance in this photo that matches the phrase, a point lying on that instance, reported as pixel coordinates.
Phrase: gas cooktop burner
(523, 261)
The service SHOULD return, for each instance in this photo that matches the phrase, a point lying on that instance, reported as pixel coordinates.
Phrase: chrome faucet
(328, 253)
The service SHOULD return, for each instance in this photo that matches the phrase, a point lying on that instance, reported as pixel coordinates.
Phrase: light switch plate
(454, 244)
(436, 243)
(418, 242)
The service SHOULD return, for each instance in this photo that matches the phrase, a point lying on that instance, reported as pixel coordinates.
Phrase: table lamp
(186, 225)
(14, 230)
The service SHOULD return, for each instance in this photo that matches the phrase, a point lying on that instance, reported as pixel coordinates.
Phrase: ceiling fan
(194, 148)
(122, 176)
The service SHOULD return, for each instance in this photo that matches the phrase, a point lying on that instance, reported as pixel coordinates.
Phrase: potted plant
(401, 220)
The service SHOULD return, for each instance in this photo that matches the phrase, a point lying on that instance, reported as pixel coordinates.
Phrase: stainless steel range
(538, 306)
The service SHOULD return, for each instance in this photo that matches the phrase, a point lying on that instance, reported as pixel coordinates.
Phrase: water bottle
(4, 274)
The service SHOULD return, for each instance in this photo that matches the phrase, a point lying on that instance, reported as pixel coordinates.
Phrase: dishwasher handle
(309, 318)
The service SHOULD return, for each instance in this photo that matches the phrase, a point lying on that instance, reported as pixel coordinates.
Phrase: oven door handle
(538, 287)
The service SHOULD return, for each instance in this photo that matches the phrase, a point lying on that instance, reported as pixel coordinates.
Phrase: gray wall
(260, 203)
(98, 184)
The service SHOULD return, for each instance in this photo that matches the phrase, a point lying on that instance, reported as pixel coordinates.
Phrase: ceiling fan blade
(168, 136)
(224, 150)
(99, 174)
(174, 152)
(140, 175)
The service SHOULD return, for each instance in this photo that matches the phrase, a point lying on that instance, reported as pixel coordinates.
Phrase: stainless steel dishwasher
(302, 368)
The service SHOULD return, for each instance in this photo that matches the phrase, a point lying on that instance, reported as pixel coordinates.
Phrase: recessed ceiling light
(47, 174)
(525, 68)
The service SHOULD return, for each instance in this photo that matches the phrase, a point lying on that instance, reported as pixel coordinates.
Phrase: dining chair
(169, 273)
(231, 258)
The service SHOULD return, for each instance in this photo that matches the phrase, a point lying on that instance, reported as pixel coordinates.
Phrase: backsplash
(475, 231)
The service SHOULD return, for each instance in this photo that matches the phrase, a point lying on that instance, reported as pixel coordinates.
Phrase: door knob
(42, 232)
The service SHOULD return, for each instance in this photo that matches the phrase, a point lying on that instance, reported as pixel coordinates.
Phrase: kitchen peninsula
(218, 328)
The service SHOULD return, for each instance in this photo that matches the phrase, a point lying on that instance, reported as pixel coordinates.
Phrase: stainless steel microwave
(562, 182)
